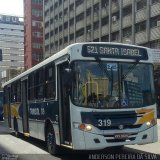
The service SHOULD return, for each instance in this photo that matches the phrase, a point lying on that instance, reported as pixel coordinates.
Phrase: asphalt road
(12, 148)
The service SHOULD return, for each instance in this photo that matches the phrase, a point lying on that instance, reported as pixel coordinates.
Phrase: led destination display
(114, 51)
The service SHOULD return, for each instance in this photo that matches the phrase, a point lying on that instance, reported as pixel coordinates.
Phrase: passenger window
(50, 81)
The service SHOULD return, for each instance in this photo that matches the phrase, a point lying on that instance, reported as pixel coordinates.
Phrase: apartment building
(33, 32)
(126, 21)
(11, 46)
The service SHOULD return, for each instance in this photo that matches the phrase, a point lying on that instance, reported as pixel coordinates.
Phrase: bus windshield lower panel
(98, 84)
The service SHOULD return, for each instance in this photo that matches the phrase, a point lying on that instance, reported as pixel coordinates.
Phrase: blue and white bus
(88, 96)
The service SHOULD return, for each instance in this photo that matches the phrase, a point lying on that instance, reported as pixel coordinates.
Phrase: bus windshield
(101, 84)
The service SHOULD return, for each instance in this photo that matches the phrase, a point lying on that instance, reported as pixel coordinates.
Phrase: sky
(11, 7)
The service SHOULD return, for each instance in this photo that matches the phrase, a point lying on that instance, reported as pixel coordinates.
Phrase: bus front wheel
(51, 141)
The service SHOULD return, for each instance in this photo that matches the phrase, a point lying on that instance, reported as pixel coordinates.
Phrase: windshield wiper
(103, 68)
(131, 68)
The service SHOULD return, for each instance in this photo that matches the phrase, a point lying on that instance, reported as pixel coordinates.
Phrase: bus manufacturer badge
(120, 126)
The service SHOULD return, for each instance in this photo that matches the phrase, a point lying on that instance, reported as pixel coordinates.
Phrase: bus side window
(19, 91)
(31, 94)
(39, 84)
(14, 92)
(50, 81)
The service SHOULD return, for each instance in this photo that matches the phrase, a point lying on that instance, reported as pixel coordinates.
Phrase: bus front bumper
(91, 141)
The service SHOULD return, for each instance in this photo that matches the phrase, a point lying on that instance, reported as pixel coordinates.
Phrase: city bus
(88, 96)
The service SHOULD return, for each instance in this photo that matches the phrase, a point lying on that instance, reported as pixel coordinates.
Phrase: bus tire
(51, 141)
(16, 132)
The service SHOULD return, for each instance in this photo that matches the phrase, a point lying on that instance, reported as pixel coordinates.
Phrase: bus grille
(117, 127)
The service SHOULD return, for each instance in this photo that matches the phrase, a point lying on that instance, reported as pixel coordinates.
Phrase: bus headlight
(85, 127)
(151, 123)
(82, 126)
(148, 124)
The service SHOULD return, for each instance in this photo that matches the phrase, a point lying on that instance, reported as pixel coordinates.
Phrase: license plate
(121, 136)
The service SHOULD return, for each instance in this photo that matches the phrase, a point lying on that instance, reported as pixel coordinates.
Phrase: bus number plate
(121, 136)
(104, 122)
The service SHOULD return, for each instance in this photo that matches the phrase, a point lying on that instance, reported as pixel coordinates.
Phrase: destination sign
(114, 51)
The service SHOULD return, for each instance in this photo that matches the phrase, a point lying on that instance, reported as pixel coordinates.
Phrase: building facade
(33, 32)
(11, 46)
(126, 21)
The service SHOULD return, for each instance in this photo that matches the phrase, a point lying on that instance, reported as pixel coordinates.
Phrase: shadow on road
(109, 153)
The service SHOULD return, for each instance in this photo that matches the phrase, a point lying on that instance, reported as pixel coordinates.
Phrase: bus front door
(25, 107)
(64, 107)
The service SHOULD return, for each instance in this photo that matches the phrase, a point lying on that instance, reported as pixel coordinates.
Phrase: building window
(60, 28)
(56, 31)
(37, 57)
(115, 17)
(71, 36)
(60, 42)
(37, 13)
(96, 40)
(80, 32)
(155, 44)
(60, 2)
(51, 45)
(55, 5)
(66, 39)
(155, 1)
(80, 17)
(96, 8)
(155, 21)
(96, 25)
(37, 2)
(104, 3)
(47, 24)
(127, 32)
(79, 2)
(71, 7)
(88, 12)
(46, 36)
(88, 29)
(51, 33)
(127, 10)
(46, 48)
(37, 45)
(115, 36)
(51, 8)
(114, 1)
(38, 24)
(60, 15)
(141, 4)
(37, 34)
(105, 21)
(65, 25)
(46, 13)
(105, 38)
(51, 21)
(71, 22)
(140, 27)
(56, 45)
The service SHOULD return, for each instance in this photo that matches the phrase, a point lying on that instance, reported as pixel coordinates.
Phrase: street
(29, 148)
